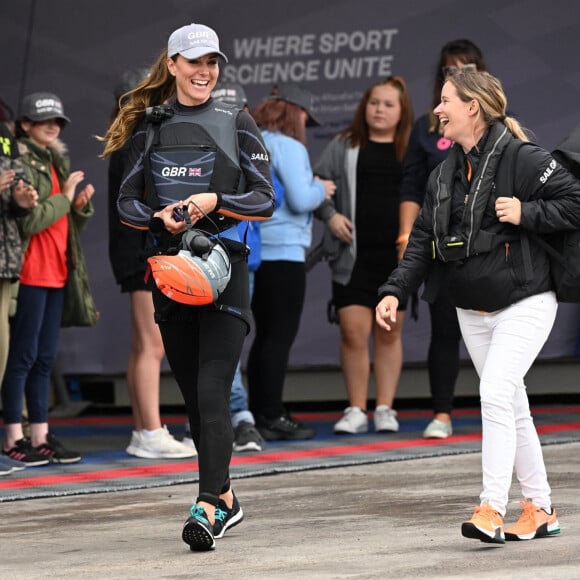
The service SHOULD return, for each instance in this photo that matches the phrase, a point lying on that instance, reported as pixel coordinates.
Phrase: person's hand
(329, 187)
(340, 227)
(172, 216)
(509, 209)
(199, 205)
(386, 312)
(84, 197)
(70, 185)
(24, 195)
(6, 178)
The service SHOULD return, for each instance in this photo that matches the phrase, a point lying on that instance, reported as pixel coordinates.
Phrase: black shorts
(362, 289)
(136, 282)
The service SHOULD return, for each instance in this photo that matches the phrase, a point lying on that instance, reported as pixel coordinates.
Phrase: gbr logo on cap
(48, 104)
(200, 34)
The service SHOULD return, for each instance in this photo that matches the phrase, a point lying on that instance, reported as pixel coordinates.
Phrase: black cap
(232, 93)
(42, 106)
(292, 93)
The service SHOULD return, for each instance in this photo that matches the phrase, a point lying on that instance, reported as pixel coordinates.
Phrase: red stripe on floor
(279, 456)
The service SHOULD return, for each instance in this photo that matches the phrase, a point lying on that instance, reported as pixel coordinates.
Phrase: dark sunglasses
(449, 71)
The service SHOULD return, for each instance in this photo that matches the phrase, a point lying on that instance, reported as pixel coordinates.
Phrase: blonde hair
(488, 92)
(155, 89)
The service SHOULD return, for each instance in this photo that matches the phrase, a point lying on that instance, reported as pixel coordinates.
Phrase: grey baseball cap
(232, 93)
(194, 41)
(292, 93)
(42, 106)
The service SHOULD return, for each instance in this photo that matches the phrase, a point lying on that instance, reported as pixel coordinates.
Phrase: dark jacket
(11, 247)
(37, 162)
(511, 270)
(425, 151)
(249, 169)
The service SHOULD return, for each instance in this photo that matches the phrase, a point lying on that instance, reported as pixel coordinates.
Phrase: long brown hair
(278, 115)
(358, 131)
(155, 89)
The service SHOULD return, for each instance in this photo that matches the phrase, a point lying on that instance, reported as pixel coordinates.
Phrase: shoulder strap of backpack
(514, 149)
(151, 138)
(546, 246)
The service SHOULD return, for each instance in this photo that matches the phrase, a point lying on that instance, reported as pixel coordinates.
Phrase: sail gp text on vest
(549, 171)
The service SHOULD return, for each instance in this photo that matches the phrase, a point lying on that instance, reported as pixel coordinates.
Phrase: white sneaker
(134, 444)
(161, 445)
(385, 419)
(354, 420)
(438, 430)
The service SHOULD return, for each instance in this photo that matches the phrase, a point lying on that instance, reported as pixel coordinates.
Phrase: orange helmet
(190, 279)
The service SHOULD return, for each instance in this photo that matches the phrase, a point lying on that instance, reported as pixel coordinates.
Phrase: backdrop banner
(335, 49)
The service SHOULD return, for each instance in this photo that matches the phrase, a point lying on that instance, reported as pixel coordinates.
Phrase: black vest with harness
(197, 152)
(470, 238)
(192, 152)
(479, 233)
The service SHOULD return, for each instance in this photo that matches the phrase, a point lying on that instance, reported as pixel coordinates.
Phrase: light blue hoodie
(288, 234)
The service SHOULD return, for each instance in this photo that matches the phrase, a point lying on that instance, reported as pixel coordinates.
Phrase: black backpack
(563, 247)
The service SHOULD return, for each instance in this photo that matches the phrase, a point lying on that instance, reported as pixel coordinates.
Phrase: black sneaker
(226, 518)
(56, 452)
(283, 428)
(24, 452)
(247, 437)
(197, 531)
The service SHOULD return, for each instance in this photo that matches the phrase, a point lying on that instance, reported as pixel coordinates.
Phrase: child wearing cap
(49, 236)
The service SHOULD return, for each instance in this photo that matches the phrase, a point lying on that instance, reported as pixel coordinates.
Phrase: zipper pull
(507, 251)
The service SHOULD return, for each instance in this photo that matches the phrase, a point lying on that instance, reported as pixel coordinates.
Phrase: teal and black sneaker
(197, 531)
(226, 518)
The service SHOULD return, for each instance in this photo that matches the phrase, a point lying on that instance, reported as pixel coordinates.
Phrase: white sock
(150, 434)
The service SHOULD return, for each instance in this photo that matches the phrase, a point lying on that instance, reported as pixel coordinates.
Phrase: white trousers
(503, 346)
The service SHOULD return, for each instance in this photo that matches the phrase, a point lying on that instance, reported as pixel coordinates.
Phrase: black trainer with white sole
(198, 531)
(226, 518)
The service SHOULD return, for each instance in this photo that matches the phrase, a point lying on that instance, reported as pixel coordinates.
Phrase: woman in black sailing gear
(194, 160)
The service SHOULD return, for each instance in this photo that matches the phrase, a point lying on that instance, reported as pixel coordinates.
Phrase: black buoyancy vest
(471, 239)
(193, 152)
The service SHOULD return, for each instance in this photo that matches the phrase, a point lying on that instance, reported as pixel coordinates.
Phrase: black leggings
(277, 303)
(443, 358)
(203, 346)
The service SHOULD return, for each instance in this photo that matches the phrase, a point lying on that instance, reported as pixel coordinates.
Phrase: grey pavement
(389, 520)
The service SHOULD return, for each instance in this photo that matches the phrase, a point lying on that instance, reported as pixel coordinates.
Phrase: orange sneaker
(533, 523)
(486, 525)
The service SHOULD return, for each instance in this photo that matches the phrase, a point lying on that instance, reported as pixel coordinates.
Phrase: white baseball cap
(194, 41)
